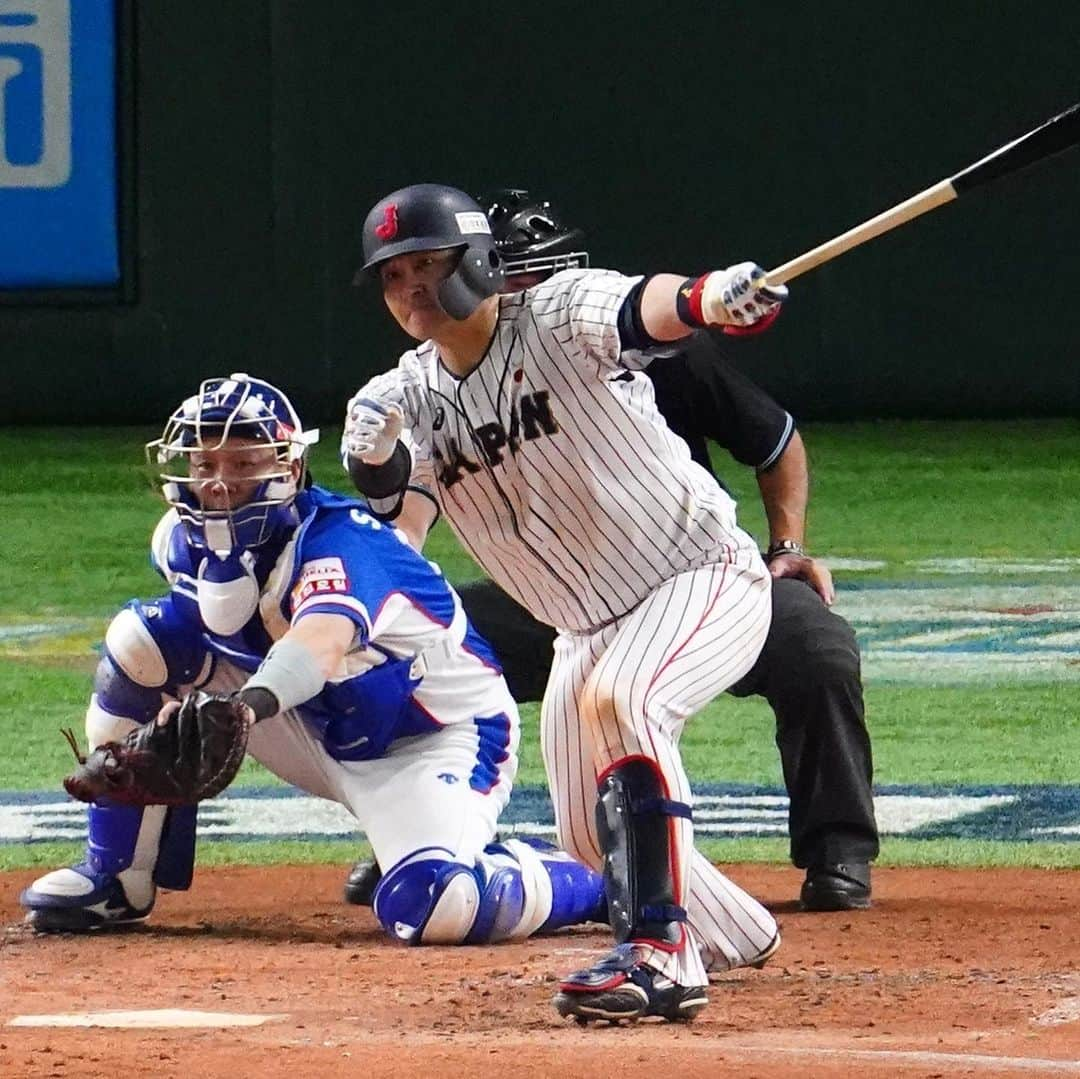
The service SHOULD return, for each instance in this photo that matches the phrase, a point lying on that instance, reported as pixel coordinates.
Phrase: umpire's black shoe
(837, 886)
(361, 882)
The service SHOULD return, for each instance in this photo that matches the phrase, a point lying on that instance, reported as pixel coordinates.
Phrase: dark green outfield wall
(686, 136)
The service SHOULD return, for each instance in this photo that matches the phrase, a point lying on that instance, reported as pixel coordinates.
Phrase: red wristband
(688, 301)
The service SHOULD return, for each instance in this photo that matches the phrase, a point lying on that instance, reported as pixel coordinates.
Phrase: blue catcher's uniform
(416, 666)
(416, 733)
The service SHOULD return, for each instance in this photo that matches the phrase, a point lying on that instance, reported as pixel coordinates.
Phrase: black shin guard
(633, 818)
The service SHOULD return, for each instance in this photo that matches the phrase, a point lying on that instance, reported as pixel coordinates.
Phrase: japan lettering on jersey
(551, 462)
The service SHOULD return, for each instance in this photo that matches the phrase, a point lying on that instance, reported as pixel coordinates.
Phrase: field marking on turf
(1003, 813)
(1004, 566)
(965, 634)
(916, 632)
(854, 565)
(160, 1017)
(266, 813)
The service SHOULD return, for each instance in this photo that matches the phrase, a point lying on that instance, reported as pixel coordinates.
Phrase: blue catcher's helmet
(233, 416)
(433, 217)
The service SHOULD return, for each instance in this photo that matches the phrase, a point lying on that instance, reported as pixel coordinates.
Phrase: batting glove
(372, 430)
(740, 296)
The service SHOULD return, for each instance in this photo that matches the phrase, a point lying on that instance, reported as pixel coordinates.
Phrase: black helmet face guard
(547, 264)
(531, 236)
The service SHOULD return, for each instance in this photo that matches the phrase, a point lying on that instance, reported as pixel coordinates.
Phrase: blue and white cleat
(79, 899)
(621, 987)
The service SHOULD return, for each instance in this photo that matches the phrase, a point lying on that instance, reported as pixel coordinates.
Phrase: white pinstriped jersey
(552, 464)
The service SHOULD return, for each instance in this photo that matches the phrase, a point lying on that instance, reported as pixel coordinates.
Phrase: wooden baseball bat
(1057, 134)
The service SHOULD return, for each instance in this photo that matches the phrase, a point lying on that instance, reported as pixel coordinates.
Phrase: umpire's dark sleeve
(702, 395)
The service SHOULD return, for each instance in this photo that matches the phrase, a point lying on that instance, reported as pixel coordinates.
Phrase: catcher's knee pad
(633, 820)
(426, 900)
(150, 649)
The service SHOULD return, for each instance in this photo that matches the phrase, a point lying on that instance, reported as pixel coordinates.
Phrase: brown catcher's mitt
(193, 755)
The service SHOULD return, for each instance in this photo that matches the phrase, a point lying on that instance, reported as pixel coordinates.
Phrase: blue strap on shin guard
(577, 892)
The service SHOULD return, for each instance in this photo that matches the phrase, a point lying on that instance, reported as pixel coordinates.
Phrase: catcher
(302, 630)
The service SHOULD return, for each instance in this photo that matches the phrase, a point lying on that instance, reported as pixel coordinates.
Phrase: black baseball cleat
(620, 987)
(837, 886)
(361, 883)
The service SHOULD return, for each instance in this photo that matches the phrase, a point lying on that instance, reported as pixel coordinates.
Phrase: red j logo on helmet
(387, 230)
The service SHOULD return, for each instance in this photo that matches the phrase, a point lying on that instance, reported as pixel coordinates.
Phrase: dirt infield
(953, 973)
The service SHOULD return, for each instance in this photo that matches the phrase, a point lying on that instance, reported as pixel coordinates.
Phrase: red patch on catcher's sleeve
(323, 575)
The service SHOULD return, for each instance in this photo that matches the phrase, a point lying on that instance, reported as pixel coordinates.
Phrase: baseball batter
(534, 435)
(809, 670)
(364, 679)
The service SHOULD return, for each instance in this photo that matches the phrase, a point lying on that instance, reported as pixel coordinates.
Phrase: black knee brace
(633, 822)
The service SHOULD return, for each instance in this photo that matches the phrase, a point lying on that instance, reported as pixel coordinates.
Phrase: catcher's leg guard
(513, 891)
(151, 652)
(577, 892)
(428, 899)
(129, 852)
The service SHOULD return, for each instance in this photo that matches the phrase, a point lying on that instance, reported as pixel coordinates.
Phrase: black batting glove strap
(386, 509)
(688, 301)
(382, 481)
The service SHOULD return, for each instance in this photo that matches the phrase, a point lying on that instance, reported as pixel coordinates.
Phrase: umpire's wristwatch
(784, 546)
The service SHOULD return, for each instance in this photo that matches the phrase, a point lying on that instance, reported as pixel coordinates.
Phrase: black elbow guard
(383, 485)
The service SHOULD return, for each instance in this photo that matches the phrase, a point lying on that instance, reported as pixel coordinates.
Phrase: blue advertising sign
(58, 161)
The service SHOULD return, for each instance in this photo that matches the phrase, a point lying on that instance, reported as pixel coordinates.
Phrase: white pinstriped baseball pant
(627, 690)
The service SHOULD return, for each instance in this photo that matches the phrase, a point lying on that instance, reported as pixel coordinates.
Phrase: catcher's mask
(530, 234)
(432, 217)
(241, 421)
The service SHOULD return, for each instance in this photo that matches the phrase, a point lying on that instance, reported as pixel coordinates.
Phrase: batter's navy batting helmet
(530, 234)
(431, 217)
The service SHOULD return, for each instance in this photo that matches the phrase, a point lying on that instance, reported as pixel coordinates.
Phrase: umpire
(808, 669)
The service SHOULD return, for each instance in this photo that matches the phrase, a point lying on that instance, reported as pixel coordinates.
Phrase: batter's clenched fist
(740, 296)
(372, 430)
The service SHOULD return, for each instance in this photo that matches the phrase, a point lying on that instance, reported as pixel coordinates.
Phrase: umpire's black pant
(808, 671)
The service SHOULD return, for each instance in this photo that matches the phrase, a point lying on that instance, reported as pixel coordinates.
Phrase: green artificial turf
(79, 509)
